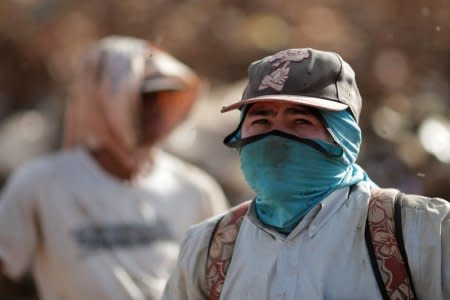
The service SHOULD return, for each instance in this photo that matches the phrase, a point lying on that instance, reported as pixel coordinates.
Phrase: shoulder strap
(384, 242)
(221, 248)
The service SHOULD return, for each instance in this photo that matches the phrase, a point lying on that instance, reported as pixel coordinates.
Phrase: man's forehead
(275, 106)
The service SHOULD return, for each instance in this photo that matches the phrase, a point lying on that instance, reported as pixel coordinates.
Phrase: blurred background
(399, 49)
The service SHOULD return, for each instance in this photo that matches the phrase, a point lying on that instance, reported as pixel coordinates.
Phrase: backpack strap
(384, 242)
(221, 247)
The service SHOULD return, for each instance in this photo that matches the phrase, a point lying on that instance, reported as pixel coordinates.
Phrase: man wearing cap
(318, 227)
(102, 218)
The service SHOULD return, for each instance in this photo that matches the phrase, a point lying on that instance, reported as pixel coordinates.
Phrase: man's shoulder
(196, 242)
(177, 164)
(417, 203)
(421, 202)
(44, 166)
(202, 233)
(186, 171)
(204, 229)
(199, 235)
(36, 177)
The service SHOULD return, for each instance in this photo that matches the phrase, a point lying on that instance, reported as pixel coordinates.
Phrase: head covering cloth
(103, 109)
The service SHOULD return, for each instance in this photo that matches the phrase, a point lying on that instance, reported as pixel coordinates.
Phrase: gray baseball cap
(305, 76)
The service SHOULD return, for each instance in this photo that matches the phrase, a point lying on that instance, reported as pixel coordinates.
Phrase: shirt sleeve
(188, 280)
(426, 231)
(445, 242)
(17, 225)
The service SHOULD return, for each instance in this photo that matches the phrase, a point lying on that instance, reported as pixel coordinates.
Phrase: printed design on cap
(278, 77)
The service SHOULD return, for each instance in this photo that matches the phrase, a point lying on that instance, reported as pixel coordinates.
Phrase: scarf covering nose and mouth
(292, 175)
(104, 104)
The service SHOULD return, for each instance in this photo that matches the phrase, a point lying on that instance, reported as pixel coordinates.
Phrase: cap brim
(162, 84)
(319, 103)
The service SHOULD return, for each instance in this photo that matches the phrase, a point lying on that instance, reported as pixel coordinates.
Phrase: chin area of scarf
(291, 175)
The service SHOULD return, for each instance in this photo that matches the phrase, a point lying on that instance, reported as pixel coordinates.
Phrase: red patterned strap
(221, 248)
(385, 244)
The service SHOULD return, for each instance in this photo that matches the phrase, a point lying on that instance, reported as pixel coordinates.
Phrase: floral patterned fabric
(391, 264)
(221, 248)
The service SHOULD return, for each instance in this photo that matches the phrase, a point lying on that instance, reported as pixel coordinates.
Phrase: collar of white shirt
(314, 220)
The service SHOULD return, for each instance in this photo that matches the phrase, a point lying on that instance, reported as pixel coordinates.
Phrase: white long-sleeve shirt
(324, 257)
(87, 235)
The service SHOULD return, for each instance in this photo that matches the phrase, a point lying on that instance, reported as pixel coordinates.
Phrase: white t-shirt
(324, 257)
(86, 235)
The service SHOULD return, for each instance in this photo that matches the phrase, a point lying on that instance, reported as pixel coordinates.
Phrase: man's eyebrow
(299, 110)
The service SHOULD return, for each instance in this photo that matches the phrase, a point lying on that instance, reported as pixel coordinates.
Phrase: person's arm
(188, 279)
(426, 231)
(17, 225)
(445, 242)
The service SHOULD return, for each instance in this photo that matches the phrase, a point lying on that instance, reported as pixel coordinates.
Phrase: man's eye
(260, 122)
(302, 122)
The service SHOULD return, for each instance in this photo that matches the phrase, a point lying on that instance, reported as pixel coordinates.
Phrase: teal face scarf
(291, 175)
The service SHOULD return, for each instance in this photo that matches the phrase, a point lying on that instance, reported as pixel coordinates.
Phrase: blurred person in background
(102, 218)
(318, 228)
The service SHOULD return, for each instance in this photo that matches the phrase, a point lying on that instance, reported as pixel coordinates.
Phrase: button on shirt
(324, 257)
